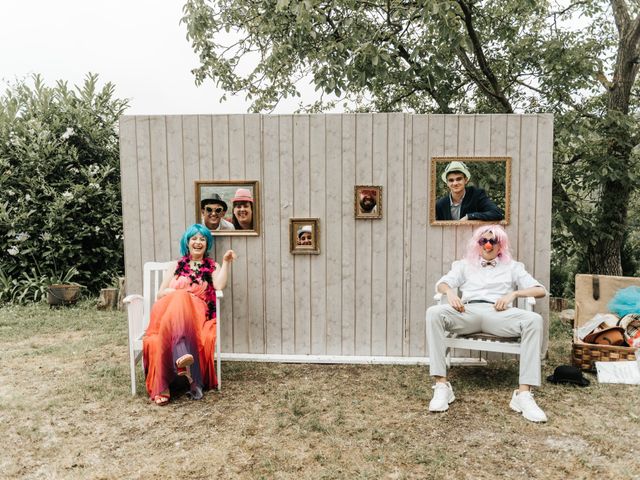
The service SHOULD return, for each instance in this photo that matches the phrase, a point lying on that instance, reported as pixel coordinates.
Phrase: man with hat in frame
(213, 210)
(464, 202)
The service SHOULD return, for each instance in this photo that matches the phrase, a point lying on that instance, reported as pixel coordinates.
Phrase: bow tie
(488, 263)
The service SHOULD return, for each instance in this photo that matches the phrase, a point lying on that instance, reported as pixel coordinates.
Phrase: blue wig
(195, 229)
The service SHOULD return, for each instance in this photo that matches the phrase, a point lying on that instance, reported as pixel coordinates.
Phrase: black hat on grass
(568, 374)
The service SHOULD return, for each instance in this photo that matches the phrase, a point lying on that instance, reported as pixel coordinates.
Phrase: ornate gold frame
(469, 160)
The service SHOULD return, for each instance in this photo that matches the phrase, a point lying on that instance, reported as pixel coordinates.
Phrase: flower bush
(60, 204)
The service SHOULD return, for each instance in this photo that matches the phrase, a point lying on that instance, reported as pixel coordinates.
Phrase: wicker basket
(593, 293)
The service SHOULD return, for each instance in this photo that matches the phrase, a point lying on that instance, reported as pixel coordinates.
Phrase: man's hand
(503, 303)
(454, 300)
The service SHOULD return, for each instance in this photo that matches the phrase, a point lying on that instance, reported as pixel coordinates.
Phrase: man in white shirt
(489, 280)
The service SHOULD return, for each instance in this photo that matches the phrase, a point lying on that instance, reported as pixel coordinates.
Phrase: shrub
(60, 204)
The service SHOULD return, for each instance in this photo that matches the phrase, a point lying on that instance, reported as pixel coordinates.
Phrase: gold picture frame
(492, 174)
(367, 202)
(304, 236)
(233, 219)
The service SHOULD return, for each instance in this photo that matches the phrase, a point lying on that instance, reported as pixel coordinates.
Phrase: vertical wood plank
(302, 263)
(544, 168)
(286, 212)
(255, 280)
(527, 192)
(191, 163)
(130, 205)
(396, 235)
(420, 291)
(241, 296)
(220, 153)
(160, 187)
(317, 208)
(175, 177)
(143, 150)
(378, 237)
(205, 147)
(449, 233)
(348, 234)
(513, 150)
(272, 239)
(332, 239)
(364, 134)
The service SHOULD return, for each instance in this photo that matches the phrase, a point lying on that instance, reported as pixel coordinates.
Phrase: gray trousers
(483, 317)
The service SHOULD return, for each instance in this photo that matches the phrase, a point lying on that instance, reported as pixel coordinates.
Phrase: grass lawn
(66, 412)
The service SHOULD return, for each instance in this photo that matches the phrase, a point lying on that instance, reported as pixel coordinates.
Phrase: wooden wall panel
(367, 291)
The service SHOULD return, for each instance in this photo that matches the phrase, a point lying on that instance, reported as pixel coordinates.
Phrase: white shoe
(524, 403)
(442, 397)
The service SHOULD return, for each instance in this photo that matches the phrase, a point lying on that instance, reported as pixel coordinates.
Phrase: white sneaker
(442, 397)
(524, 403)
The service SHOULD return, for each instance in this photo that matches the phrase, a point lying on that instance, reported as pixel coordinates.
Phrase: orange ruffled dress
(179, 325)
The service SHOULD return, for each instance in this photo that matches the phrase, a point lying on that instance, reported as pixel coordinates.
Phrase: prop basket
(63, 294)
(593, 293)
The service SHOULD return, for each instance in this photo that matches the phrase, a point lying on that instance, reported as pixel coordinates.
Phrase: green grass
(66, 412)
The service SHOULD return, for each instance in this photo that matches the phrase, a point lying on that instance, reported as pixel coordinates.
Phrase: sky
(139, 45)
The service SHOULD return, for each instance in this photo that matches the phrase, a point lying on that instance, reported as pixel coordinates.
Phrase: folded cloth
(618, 372)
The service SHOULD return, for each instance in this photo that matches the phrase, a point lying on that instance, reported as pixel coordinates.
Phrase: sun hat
(607, 336)
(243, 195)
(568, 374)
(456, 167)
(304, 229)
(215, 198)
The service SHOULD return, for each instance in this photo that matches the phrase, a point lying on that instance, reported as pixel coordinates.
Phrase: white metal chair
(483, 341)
(139, 310)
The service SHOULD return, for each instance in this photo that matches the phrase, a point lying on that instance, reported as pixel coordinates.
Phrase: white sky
(138, 45)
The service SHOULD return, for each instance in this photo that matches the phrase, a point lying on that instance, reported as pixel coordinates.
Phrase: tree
(449, 56)
(60, 204)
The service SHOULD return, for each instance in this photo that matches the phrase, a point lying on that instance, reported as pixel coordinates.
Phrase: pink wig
(474, 250)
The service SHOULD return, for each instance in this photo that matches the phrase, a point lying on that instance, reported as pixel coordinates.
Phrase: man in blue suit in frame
(464, 202)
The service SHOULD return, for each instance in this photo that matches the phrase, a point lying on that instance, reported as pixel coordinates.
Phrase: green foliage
(60, 206)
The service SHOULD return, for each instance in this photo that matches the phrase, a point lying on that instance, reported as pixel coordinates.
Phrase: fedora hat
(607, 336)
(568, 374)
(243, 195)
(215, 198)
(455, 167)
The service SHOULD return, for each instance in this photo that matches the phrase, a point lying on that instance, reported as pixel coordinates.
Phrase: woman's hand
(229, 256)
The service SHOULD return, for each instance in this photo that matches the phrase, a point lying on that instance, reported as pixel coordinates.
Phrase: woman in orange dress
(181, 336)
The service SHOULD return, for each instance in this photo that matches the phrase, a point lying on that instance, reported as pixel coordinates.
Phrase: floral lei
(199, 275)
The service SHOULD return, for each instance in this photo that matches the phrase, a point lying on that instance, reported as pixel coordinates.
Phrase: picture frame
(367, 202)
(240, 218)
(304, 236)
(492, 174)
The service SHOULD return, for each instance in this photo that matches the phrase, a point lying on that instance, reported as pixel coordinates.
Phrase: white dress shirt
(487, 283)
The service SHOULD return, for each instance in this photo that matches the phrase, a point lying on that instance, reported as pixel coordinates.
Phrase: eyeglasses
(492, 241)
(217, 210)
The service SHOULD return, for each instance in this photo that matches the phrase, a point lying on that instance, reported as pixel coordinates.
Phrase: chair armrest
(438, 298)
(132, 298)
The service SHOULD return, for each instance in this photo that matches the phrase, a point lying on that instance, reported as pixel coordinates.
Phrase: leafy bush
(60, 204)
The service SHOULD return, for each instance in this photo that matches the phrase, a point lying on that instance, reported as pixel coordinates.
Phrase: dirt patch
(66, 412)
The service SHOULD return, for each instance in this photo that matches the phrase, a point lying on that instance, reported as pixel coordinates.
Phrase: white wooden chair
(483, 341)
(139, 310)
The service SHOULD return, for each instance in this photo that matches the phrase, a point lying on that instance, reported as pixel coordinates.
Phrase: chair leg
(132, 365)
(448, 357)
(218, 368)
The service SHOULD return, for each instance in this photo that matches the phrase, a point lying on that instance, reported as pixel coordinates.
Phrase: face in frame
(456, 181)
(305, 239)
(212, 213)
(243, 211)
(367, 200)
